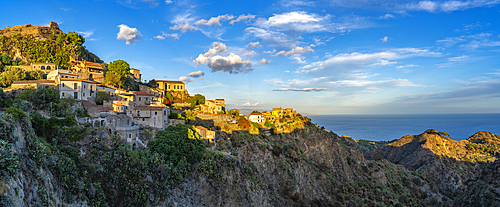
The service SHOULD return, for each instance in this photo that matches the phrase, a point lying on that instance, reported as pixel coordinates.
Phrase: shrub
(178, 143)
(8, 161)
(16, 113)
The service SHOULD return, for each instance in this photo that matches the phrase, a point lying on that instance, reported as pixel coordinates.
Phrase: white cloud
(251, 53)
(303, 89)
(196, 74)
(214, 20)
(386, 16)
(183, 23)
(346, 63)
(374, 84)
(242, 18)
(296, 3)
(249, 104)
(130, 35)
(264, 61)
(169, 1)
(163, 35)
(272, 39)
(406, 66)
(471, 41)
(457, 59)
(86, 33)
(253, 45)
(297, 21)
(296, 50)
(384, 39)
(185, 79)
(273, 51)
(446, 6)
(232, 63)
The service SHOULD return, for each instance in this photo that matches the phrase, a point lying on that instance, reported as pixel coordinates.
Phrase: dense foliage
(178, 144)
(51, 50)
(196, 100)
(101, 96)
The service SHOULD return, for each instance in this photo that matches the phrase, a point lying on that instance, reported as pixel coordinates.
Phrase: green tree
(6, 59)
(255, 111)
(190, 115)
(196, 100)
(119, 67)
(75, 38)
(3, 98)
(115, 80)
(234, 112)
(27, 95)
(178, 144)
(169, 96)
(10, 75)
(151, 83)
(35, 75)
(60, 38)
(101, 96)
(44, 96)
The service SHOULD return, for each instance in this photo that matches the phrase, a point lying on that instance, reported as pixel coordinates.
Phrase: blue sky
(319, 57)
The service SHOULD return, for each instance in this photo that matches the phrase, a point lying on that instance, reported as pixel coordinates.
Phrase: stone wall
(38, 32)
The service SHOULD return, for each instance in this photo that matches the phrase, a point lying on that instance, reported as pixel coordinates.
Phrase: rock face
(38, 32)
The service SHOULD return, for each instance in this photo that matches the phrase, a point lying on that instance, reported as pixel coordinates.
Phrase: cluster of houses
(125, 113)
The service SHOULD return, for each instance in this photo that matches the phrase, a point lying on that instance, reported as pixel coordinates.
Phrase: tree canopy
(101, 96)
(119, 67)
(178, 144)
(196, 100)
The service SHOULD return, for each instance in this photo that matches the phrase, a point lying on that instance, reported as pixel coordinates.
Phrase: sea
(390, 127)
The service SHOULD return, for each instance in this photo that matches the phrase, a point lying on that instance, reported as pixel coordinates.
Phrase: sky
(318, 57)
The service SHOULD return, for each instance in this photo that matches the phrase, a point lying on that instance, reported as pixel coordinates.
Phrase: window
(48, 67)
(164, 113)
(156, 113)
(130, 112)
(83, 94)
(128, 122)
(129, 135)
(75, 86)
(169, 87)
(75, 95)
(142, 119)
(181, 87)
(43, 67)
(63, 84)
(138, 113)
(62, 94)
(139, 98)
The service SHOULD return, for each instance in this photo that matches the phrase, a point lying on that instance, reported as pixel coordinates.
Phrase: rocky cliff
(308, 167)
(38, 32)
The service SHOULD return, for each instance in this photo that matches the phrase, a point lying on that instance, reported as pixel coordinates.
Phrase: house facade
(205, 133)
(76, 88)
(165, 85)
(58, 74)
(135, 74)
(44, 67)
(153, 116)
(123, 126)
(256, 117)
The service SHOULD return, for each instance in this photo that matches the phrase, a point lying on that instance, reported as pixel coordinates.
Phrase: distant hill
(28, 44)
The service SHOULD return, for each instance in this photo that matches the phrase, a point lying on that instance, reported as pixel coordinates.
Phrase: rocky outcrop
(38, 32)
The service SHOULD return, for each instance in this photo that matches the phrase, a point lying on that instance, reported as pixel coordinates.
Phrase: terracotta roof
(103, 109)
(43, 63)
(219, 99)
(34, 81)
(201, 128)
(255, 114)
(170, 81)
(118, 105)
(120, 116)
(141, 93)
(146, 107)
(88, 104)
(68, 73)
(79, 80)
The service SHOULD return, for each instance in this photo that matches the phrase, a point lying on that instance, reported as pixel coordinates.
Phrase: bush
(178, 143)
(16, 113)
(8, 161)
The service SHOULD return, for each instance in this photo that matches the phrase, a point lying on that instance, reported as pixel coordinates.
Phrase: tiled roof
(34, 81)
(68, 73)
(170, 81)
(255, 114)
(103, 109)
(141, 93)
(219, 99)
(118, 105)
(201, 128)
(146, 107)
(79, 80)
(120, 116)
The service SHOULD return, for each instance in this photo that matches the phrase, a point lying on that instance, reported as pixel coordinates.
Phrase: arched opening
(48, 67)
(43, 67)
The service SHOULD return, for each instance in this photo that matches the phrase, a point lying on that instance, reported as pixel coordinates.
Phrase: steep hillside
(309, 167)
(27, 44)
(448, 164)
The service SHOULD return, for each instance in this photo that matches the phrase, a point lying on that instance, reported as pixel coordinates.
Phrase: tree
(234, 112)
(35, 75)
(10, 75)
(101, 96)
(60, 38)
(190, 115)
(74, 37)
(115, 80)
(196, 100)
(151, 83)
(6, 59)
(178, 144)
(119, 67)
(3, 98)
(44, 96)
(169, 96)
(255, 111)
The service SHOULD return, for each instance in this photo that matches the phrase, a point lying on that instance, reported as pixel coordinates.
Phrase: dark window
(164, 113)
(156, 113)
(48, 67)
(75, 86)
(75, 95)
(142, 119)
(138, 113)
(129, 135)
(181, 87)
(62, 94)
(43, 67)
(139, 98)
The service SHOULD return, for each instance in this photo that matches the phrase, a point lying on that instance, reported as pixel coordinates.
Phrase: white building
(256, 117)
(76, 88)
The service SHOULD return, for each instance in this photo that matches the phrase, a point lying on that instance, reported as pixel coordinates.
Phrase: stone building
(44, 67)
(135, 74)
(89, 70)
(206, 134)
(153, 116)
(138, 97)
(213, 107)
(58, 74)
(123, 126)
(33, 84)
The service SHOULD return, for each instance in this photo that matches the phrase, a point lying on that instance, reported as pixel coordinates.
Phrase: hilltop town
(113, 96)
